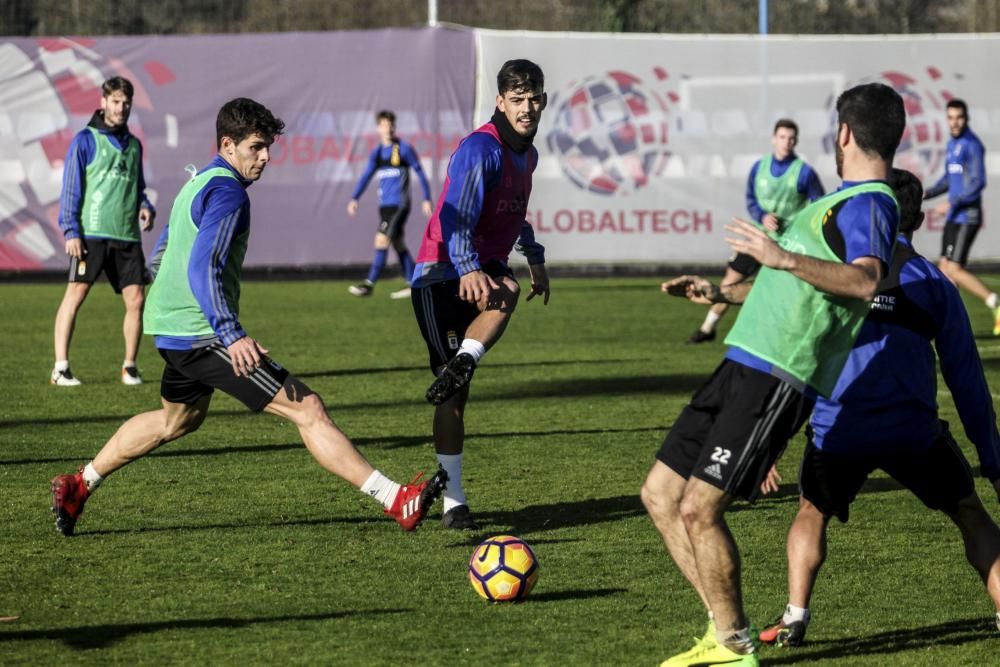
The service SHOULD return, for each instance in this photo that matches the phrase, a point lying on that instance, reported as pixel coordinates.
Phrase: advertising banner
(325, 86)
(648, 140)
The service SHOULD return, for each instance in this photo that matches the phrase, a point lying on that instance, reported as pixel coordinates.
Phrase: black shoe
(453, 377)
(700, 336)
(459, 518)
(362, 289)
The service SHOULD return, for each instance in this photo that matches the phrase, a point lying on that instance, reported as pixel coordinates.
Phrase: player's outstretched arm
(857, 280)
(701, 291)
(539, 282)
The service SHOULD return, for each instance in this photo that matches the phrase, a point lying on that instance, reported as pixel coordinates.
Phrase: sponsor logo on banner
(925, 95)
(611, 130)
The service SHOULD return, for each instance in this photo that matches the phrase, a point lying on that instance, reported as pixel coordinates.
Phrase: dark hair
(786, 123)
(909, 193)
(385, 114)
(958, 104)
(240, 118)
(115, 84)
(874, 113)
(520, 76)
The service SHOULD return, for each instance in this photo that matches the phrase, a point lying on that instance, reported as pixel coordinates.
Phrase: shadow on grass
(952, 633)
(381, 441)
(102, 636)
(347, 372)
(243, 525)
(582, 594)
(562, 515)
(790, 492)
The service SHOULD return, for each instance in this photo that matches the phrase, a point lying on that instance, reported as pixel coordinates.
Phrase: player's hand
(427, 207)
(75, 248)
(772, 481)
(352, 207)
(694, 288)
(146, 218)
(539, 282)
(771, 222)
(475, 286)
(942, 208)
(751, 240)
(246, 354)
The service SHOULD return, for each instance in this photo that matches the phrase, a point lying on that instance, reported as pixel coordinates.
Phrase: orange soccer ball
(503, 569)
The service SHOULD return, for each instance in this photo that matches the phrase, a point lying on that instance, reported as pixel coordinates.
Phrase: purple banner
(325, 86)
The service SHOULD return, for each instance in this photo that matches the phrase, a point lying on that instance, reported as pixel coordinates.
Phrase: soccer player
(193, 311)
(964, 179)
(102, 208)
(391, 162)
(883, 414)
(463, 291)
(780, 185)
(788, 345)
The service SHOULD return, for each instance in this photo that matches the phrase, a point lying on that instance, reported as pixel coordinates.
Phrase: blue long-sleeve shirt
(807, 184)
(964, 178)
(886, 397)
(393, 181)
(82, 150)
(220, 211)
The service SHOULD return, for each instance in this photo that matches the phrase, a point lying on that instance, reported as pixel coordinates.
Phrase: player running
(463, 291)
(964, 179)
(779, 186)
(883, 414)
(193, 310)
(788, 345)
(102, 208)
(390, 162)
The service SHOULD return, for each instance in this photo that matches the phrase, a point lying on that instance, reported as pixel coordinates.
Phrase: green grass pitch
(232, 546)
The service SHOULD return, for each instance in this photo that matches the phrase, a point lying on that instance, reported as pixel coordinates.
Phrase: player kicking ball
(193, 310)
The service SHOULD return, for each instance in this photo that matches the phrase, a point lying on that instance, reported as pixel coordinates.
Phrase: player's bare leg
(717, 559)
(806, 550)
(964, 278)
(661, 494)
(706, 332)
(145, 432)
(73, 298)
(134, 297)
(328, 444)
(982, 543)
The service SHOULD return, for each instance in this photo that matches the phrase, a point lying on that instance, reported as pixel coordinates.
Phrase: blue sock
(406, 261)
(378, 263)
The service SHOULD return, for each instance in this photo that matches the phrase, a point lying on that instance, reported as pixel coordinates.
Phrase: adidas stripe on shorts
(190, 375)
(735, 427)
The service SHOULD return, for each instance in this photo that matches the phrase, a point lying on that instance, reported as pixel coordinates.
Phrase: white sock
(708, 326)
(737, 641)
(998, 620)
(62, 365)
(473, 348)
(454, 494)
(128, 364)
(793, 614)
(991, 300)
(91, 478)
(381, 488)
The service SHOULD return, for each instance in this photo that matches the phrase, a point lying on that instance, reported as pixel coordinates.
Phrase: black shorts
(736, 425)
(443, 317)
(957, 239)
(745, 264)
(122, 261)
(392, 219)
(939, 476)
(190, 375)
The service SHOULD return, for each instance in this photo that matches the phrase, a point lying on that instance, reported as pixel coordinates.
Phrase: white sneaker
(400, 294)
(130, 375)
(63, 378)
